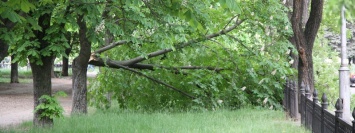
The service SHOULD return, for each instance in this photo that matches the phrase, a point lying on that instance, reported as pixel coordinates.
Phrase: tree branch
(97, 61)
(296, 20)
(181, 45)
(314, 21)
(110, 46)
(151, 67)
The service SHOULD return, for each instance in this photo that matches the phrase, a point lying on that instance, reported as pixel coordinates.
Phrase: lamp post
(344, 93)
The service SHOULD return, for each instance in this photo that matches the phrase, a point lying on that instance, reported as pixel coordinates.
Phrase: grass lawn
(222, 121)
(25, 76)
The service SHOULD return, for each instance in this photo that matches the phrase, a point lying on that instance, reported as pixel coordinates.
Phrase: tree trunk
(42, 86)
(3, 49)
(65, 66)
(79, 67)
(14, 71)
(65, 59)
(6, 23)
(304, 38)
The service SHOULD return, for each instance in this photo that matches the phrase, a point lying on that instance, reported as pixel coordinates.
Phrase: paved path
(16, 101)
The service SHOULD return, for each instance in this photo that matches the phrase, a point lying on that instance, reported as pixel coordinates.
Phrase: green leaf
(11, 15)
(232, 4)
(25, 8)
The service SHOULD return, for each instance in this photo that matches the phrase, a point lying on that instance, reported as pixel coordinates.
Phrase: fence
(291, 99)
(314, 113)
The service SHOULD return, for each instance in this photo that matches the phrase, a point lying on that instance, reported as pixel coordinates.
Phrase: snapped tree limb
(151, 67)
(94, 60)
(159, 52)
(181, 45)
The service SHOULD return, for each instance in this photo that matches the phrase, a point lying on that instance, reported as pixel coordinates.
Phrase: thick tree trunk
(79, 67)
(65, 66)
(14, 71)
(304, 39)
(79, 87)
(42, 86)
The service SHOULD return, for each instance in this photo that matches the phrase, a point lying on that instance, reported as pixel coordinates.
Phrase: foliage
(332, 10)
(326, 59)
(50, 107)
(245, 120)
(254, 57)
(326, 65)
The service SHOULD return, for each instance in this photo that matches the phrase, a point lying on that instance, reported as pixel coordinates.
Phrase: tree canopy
(209, 53)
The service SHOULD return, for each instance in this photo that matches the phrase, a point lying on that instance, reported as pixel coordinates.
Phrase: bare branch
(108, 47)
(230, 21)
(97, 61)
(151, 67)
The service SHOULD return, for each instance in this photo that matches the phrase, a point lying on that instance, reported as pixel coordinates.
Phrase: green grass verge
(222, 121)
(25, 76)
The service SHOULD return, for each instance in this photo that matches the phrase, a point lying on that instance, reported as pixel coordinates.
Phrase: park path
(16, 100)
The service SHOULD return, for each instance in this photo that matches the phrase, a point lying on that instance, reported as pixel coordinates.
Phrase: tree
(203, 50)
(37, 41)
(42, 71)
(304, 38)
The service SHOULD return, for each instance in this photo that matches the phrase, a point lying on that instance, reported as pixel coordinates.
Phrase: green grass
(24, 73)
(222, 121)
(25, 76)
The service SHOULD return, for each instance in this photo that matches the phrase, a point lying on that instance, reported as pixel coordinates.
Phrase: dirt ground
(16, 100)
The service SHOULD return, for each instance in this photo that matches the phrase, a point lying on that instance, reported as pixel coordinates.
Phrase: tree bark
(3, 45)
(3, 49)
(65, 66)
(79, 67)
(42, 86)
(65, 59)
(14, 71)
(304, 39)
